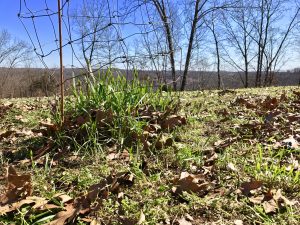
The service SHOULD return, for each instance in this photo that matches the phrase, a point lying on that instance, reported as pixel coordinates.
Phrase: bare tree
(200, 10)
(13, 53)
(277, 45)
(270, 44)
(12, 50)
(211, 23)
(151, 48)
(97, 37)
(166, 13)
(238, 29)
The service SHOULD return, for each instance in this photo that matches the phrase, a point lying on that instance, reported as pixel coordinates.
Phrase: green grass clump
(121, 100)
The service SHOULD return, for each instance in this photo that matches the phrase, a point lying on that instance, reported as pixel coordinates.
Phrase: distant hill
(29, 82)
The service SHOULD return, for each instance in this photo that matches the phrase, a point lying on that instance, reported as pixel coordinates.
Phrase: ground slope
(235, 162)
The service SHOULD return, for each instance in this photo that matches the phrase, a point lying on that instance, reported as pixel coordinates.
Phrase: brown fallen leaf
(191, 183)
(173, 121)
(270, 206)
(43, 150)
(121, 179)
(152, 128)
(21, 119)
(293, 164)
(103, 117)
(212, 158)
(4, 108)
(6, 134)
(82, 120)
(127, 221)
(272, 201)
(222, 144)
(97, 192)
(163, 142)
(22, 133)
(123, 156)
(65, 216)
(257, 199)
(63, 198)
(51, 127)
(247, 187)
(18, 187)
(38, 203)
(242, 101)
(270, 103)
(281, 200)
(183, 221)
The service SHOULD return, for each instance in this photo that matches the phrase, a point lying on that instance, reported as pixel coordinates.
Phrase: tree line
(177, 36)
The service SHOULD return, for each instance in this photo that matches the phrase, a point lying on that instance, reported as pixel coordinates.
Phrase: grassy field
(233, 161)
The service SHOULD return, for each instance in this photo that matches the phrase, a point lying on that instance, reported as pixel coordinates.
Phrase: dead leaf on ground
(270, 206)
(281, 200)
(211, 159)
(183, 221)
(290, 143)
(36, 202)
(44, 150)
(7, 133)
(63, 198)
(18, 187)
(119, 180)
(257, 199)
(247, 187)
(242, 101)
(4, 108)
(103, 117)
(163, 142)
(95, 222)
(222, 144)
(123, 156)
(271, 201)
(231, 167)
(127, 221)
(191, 183)
(64, 216)
(24, 133)
(51, 127)
(238, 222)
(173, 121)
(293, 164)
(270, 103)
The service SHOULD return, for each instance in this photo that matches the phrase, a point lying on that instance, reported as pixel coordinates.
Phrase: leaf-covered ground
(236, 161)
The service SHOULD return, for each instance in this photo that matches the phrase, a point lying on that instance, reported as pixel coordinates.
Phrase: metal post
(61, 65)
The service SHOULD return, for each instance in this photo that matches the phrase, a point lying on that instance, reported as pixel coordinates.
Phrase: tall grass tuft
(120, 97)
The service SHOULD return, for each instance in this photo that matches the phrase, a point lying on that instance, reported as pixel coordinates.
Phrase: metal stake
(61, 65)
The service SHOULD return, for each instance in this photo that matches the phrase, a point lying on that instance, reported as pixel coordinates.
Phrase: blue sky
(9, 20)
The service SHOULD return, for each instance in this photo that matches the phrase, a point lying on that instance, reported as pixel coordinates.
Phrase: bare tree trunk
(259, 45)
(219, 68)
(190, 46)
(161, 8)
(246, 52)
(218, 56)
